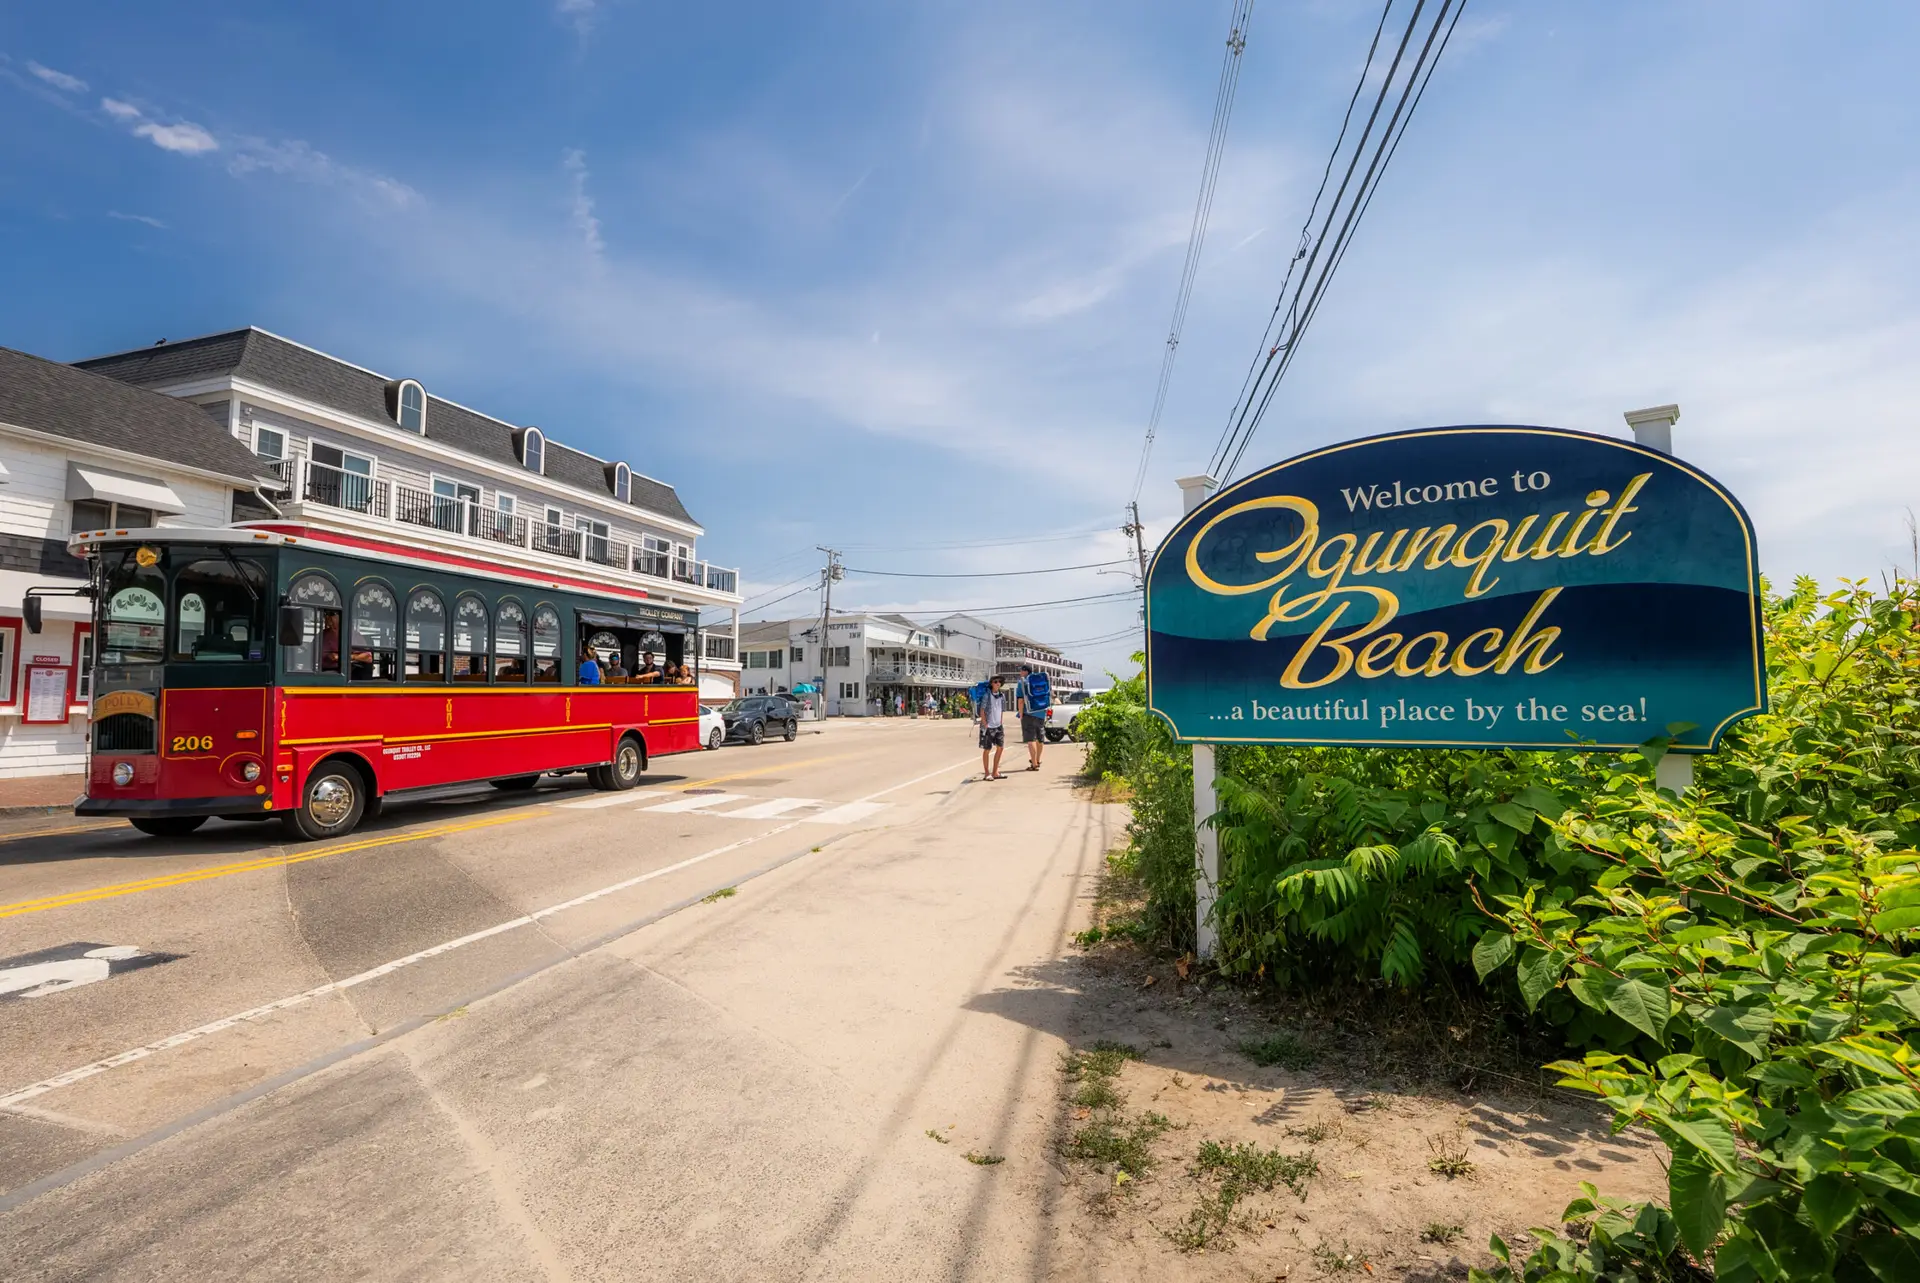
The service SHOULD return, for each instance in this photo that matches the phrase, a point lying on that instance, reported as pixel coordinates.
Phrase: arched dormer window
(620, 480)
(407, 404)
(533, 450)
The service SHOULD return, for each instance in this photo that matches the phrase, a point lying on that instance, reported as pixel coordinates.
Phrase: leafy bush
(1761, 933)
(1740, 963)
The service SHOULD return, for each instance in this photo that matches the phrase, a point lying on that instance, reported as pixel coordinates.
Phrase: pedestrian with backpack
(1034, 695)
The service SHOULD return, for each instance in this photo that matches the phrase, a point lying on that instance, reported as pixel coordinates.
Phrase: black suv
(753, 718)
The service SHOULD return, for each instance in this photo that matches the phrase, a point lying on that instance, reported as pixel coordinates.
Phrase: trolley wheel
(515, 783)
(793, 729)
(628, 765)
(168, 826)
(758, 735)
(333, 802)
(715, 738)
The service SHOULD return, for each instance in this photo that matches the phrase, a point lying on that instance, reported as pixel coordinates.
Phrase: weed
(984, 1160)
(1101, 1060)
(1207, 1225)
(1449, 1153)
(934, 1135)
(1438, 1233)
(1246, 1166)
(1282, 1049)
(1128, 1145)
(1336, 1260)
(1319, 1131)
(1098, 1093)
(719, 895)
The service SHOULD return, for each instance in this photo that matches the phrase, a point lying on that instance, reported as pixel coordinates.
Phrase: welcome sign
(1471, 587)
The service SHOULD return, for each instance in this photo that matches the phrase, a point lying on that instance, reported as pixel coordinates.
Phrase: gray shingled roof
(267, 359)
(49, 397)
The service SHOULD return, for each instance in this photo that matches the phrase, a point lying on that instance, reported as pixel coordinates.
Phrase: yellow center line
(244, 866)
(763, 770)
(52, 833)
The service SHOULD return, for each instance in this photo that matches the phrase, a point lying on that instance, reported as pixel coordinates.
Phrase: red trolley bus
(248, 672)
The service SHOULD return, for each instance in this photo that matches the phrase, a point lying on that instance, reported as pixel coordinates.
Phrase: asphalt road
(438, 901)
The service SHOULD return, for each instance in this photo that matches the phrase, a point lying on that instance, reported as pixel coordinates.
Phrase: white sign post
(1195, 491)
(1653, 428)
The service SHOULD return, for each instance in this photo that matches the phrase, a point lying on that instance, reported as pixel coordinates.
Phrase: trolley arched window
(374, 652)
(546, 644)
(510, 642)
(319, 648)
(426, 637)
(469, 638)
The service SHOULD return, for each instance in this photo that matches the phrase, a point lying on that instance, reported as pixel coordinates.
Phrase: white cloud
(58, 79)
(184, 137)
(292, 158)
(137, 218)
(581, 14)
(574, 161)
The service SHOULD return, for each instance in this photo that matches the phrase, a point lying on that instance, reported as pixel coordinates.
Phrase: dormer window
(407, 405)
(533, 450)
(620, 477)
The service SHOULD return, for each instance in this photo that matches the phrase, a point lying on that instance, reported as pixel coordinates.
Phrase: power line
(1061, 537)
(809, 586)
(1276, 356)
(1202, 215)
(1126, 594)
(982, 574)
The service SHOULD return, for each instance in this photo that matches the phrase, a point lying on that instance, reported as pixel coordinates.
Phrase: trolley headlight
(123, 773)
(250, 772)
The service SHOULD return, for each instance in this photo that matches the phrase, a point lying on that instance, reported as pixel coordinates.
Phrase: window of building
(503, 502)
(838, 657)
(776, 658)
(98, 514)
(533, 450)
(510, 642)
(622, 482)
(426, 637)
(413, 407)
(797, 654)
(756, 659)
(849, 690)
(319, 648)
(595, 535)
(374, 655)
(269, 443)
(7, 636)
(339, 478)
(546, 644)
(469, 638)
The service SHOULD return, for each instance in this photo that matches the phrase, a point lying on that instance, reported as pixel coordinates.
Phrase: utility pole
(831, 572)
(1135, 529)
(1195, 491)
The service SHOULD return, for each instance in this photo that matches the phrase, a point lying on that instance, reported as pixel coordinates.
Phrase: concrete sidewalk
(743, 1090)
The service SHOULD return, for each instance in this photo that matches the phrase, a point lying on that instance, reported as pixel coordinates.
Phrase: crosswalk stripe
(698, 802)
(771, 808)
(846, 813)
(606, 799)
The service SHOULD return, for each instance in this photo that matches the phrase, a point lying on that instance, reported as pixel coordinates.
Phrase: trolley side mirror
(293, 625)
(30, 609)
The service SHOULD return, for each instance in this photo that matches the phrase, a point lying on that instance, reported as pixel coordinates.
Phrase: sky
(897, 278)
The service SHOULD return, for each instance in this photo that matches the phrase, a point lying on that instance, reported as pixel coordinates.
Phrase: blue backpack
(1039, 692)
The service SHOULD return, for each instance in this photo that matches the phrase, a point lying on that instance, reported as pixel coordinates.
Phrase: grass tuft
(934, 1135)
(1126, 1143)
(1438, 1233)
(984, 1160)
(1283, 1049)
(719, 895)
(1448, 1152)
(1246, 1166)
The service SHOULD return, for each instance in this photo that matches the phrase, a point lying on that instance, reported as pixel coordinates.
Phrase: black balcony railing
(338, 488)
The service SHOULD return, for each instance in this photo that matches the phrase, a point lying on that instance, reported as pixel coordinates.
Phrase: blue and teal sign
(1477, 587)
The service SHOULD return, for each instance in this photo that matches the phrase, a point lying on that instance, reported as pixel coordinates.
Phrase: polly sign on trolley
(1464, 587)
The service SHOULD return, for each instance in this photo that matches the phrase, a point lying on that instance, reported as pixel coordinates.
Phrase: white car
(713, 727)
(1062, 712)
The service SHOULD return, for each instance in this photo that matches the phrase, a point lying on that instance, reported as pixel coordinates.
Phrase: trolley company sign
(1477, 587)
